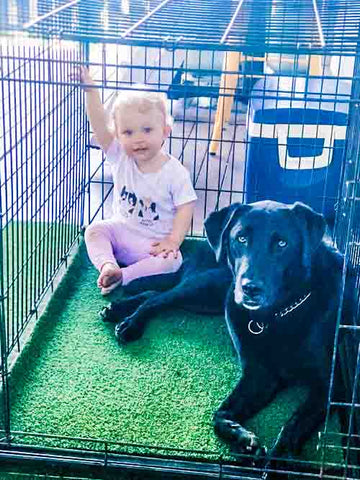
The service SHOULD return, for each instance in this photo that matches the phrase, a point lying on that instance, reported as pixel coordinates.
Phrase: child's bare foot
(110, 277)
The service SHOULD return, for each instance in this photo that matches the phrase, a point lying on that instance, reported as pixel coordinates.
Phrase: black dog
(281, 284)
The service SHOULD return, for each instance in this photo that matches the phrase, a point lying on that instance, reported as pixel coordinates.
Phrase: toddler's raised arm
(95, 110)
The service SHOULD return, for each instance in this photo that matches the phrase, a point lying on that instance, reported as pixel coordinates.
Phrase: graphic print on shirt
(147, 212)
(144, 209)
(128, 202)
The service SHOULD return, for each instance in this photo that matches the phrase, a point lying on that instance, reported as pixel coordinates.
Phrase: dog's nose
(250, 288)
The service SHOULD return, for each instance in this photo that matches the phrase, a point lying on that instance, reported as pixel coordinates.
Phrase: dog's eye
(242, 239)
(282, 243)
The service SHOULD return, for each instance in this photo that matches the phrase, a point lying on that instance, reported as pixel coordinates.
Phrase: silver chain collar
(293, 306)
(256, 328)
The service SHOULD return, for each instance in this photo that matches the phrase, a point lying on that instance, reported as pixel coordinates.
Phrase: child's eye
(147, 129)
(127, 132)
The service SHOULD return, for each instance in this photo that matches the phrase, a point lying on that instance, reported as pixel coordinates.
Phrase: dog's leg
(255, 390)
(193, 293)
(295, 433)
(310, 414)
(117, 311)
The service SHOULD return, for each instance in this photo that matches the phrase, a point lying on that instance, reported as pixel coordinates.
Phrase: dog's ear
(217, 225)
(313, 225)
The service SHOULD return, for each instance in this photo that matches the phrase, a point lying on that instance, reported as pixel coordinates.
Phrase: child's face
(141, 134)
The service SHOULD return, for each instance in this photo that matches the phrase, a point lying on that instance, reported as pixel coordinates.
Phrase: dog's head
(269, 247)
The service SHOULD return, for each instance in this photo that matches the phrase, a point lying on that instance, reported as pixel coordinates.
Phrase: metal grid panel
(293, 25)
(254, 27)
(42, 174)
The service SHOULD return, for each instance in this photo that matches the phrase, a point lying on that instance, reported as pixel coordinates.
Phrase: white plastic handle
(284, 132)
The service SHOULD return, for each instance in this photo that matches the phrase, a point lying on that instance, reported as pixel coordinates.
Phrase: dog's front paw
(128, 331)
(242, 440)
(108, 314)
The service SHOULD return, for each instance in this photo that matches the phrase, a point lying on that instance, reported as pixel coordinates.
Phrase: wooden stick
(228, 83)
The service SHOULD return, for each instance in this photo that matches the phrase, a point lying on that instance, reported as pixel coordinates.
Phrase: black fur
(269, 256)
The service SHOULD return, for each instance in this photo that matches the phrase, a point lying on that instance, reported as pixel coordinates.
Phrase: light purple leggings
(111, 241)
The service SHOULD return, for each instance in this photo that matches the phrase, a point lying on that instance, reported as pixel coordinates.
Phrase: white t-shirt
(147, 202)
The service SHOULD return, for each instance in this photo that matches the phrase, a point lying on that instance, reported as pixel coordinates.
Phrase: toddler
(153, 194)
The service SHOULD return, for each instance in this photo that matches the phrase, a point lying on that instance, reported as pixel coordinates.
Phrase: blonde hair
(143, 99)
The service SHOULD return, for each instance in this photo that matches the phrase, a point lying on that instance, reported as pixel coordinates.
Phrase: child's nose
(139, 137)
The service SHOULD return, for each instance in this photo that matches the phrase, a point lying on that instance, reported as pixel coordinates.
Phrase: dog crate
(208, 56)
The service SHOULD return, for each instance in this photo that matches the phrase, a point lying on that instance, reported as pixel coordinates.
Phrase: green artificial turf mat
(73, 379)
(31, 253)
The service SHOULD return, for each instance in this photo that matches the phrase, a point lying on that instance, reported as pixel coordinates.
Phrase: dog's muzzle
(249, 294)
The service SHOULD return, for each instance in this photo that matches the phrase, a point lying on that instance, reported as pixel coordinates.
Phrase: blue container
(296, 129)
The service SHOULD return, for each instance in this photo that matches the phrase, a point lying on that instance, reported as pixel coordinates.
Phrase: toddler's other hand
(165, 247)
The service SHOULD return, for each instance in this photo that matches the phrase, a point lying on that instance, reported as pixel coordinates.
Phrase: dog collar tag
(255, 328)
